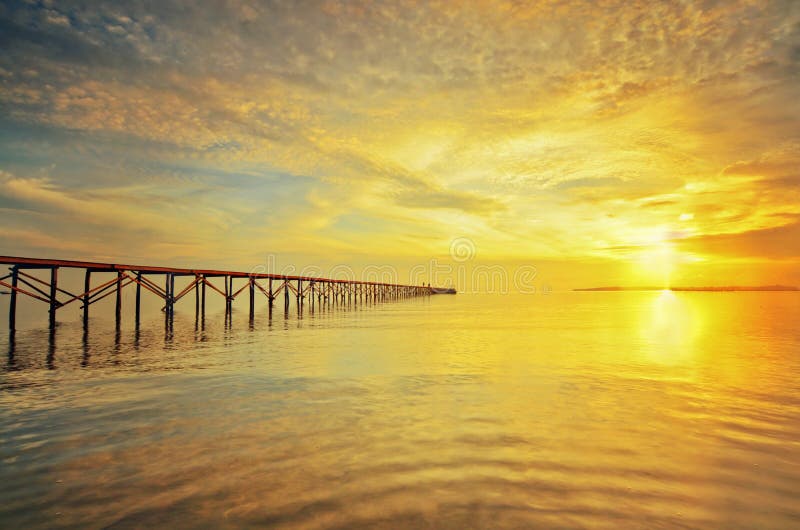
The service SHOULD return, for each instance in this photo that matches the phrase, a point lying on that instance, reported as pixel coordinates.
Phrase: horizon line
(723, 288)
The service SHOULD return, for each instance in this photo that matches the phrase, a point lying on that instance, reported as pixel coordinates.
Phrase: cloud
(779, 242)
(466, 202)
(777, 168)
(304, 126)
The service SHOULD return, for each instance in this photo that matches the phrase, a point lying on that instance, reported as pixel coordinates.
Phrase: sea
(614, 410)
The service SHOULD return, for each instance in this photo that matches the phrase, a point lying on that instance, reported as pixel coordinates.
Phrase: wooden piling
(53, 300)
(196, 297)
(271, 295)
(12, 303)
(138, 314)
(227, 295)
(168, 294)
(203, 298)
(299, 292)
(252, 299)
(118, 301)
(87, 284)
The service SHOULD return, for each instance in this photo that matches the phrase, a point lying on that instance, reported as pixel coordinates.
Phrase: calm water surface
(569, 410)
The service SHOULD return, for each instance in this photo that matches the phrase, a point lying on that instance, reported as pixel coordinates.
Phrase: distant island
(726, 288)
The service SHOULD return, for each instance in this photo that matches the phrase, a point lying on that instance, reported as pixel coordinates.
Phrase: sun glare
(657, 260)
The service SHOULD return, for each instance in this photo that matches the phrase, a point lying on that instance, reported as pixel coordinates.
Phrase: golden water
(568, 410)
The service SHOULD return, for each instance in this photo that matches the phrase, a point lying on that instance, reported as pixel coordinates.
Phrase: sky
(601, 143)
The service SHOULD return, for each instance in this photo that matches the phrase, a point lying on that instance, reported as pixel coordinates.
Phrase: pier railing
(326, 290)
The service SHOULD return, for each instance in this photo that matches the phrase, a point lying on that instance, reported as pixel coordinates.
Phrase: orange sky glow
(604, 143)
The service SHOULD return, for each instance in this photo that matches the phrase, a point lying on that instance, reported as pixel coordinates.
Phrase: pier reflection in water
(568, 410)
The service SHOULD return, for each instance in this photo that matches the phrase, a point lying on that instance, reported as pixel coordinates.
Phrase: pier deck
(20, 282)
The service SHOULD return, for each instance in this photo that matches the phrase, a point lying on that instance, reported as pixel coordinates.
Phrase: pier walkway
(19, 281)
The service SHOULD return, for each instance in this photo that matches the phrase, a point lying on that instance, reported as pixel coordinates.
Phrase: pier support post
(271, 296)
(196, 297)
(138, 314)
(118, 300)
(252, 299)
(12, 303)
(87, 284)
(203, 298)
(53, 301)
(299, 295)
(286, 294)
(167, 295)
(228, 295)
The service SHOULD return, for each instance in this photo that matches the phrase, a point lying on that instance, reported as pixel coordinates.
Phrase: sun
(660, 263)
(657, 259)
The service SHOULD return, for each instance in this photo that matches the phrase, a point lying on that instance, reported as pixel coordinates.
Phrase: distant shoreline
(729, 288)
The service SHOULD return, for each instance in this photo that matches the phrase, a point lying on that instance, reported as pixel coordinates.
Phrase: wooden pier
(326, 290)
